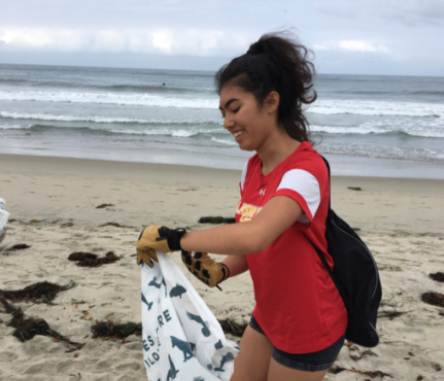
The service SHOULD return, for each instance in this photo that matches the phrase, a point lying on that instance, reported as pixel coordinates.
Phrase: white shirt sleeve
(306, 185)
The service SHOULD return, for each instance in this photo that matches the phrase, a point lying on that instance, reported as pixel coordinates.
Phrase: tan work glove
(156, 237)
(205, 269)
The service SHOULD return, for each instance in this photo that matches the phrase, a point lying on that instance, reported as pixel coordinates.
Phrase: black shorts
(310, 362)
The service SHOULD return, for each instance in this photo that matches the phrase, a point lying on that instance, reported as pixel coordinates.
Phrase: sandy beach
(53, 205)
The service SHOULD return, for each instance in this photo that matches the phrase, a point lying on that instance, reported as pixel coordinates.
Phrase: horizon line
(88, 66)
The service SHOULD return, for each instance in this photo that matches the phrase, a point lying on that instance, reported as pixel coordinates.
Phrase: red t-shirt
(297, 304)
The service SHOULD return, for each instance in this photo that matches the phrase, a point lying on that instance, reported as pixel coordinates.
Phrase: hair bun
(256, 48)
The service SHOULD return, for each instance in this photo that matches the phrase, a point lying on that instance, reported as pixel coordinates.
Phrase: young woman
(299, 321)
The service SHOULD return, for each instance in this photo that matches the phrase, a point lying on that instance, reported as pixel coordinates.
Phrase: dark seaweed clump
(433, 298)
(390, 314)
(119, 331)
(233, 328)
(101, 206)
(216, 220)
(439, 277)
(92, 260)
(38, 292)
(115, 224)
(27, 328)
(373, 374)
(20, 246)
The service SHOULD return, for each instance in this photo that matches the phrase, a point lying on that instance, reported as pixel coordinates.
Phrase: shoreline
(75, 163)
(46, 188)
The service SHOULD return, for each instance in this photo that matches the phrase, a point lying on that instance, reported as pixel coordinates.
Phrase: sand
(401, 220)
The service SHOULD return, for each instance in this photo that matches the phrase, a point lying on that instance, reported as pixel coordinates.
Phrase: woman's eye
(232, 111)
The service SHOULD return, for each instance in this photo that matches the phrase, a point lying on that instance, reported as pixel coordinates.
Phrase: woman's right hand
(156, 237)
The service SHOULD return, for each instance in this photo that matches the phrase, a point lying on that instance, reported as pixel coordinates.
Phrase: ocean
(389, 126)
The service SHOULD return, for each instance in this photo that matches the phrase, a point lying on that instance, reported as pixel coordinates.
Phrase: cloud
(407, 12)
(362, 46)
(377, 32)
(352, 46)
(197, 42)
(163, 40)
(419, 12)
(37, 39)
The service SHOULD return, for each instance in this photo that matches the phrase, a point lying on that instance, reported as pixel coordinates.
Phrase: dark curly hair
(276, 63)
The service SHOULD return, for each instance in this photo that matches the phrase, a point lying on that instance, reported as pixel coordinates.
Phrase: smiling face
(250, 123)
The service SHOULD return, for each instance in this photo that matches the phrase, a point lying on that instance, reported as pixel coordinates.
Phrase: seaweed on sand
(80, 255)
(27, 328)
(216, 220)
(373, 374)
(92, 260)
(20, 246)
(433, 298)
(119, 331)
(390, 314)
(116, 225)
(366, 352)
(439, 277)
(38, 292)
(233, 328)
(101, 206)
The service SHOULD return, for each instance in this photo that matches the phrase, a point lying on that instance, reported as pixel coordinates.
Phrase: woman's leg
(252, 362)
(278, 372)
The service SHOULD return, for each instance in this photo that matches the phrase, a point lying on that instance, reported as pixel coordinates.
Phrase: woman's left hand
(156, 237)
(205, 269)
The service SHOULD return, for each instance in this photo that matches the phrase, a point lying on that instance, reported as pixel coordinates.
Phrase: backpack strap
(335, 281)
(321, 254)
(329, 179)
(333, 276)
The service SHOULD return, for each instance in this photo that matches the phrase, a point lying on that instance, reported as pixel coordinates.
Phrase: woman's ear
(271, 102)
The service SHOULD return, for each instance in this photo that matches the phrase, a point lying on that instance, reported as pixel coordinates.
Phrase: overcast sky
(403, 37)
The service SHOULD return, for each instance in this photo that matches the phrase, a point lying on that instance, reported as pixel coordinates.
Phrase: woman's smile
(237, 135)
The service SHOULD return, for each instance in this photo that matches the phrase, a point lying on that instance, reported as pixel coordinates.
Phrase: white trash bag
(182, 339)
(3, 218)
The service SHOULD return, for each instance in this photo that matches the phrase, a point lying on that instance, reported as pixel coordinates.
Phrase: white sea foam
(110, 98)
(412, 126)
(223, 141)
(184, 133)
(159, 132)
(14, 126)
(347, 130)
(383, 152)
(69, 118)
(154, 131)
(377, 108)
(165, 132)
(98, 119)
(323, 107)
(409, 127)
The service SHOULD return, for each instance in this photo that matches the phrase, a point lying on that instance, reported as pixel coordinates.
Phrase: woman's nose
(228, 122)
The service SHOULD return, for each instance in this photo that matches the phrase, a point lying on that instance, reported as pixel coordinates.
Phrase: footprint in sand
(385, 267)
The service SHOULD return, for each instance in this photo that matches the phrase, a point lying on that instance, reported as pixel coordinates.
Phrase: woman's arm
(246, 237)
(236, 263)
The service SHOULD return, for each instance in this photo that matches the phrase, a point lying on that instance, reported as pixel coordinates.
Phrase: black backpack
(356, 277)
